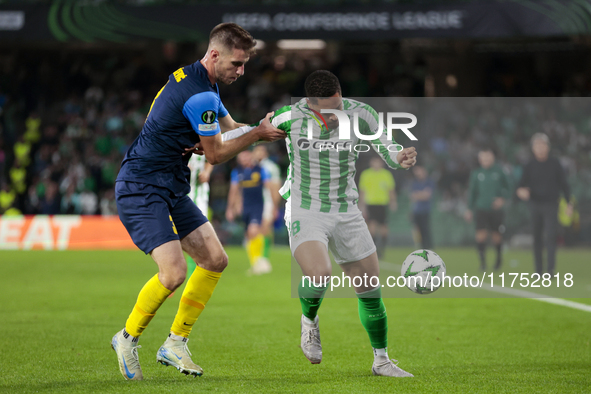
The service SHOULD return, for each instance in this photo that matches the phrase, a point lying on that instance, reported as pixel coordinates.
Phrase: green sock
(190, 266)
(372, 313)
(310, 298)
(267, 247)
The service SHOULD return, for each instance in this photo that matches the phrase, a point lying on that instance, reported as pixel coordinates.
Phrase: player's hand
(230, 215)
(203, 177)
(197, 149)
(498, 203)
(267, 132)
(407, 157)
(523, 193)
(468, 215)
(393, 206)
(569, 210)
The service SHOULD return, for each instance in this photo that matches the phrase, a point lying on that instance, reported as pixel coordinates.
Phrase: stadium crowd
(66, 120)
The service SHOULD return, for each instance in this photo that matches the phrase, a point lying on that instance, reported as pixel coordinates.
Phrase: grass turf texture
(59, 310)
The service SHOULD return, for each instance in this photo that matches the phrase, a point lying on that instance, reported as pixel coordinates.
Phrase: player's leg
(308, 241)
(496, 228)
(200, 241)
(143, 207)
(313, 258)
(372, 223)
(383, 230)
(267, 225)
(497, 240)
(201, 199)
(481, 236)
(355, 253)
(551, 222)
(537, 219)
(255, 243)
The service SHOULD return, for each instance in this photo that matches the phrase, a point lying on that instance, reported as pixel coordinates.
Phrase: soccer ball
(419, 268)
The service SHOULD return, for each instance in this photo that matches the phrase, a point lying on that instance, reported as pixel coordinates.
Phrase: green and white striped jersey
(321, 175)
(197, 194)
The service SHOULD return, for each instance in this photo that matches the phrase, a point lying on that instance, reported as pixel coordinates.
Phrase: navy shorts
(153, 215)
(252, 215)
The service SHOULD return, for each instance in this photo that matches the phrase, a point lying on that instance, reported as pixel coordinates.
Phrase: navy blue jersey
(251, 180)
(185, 108)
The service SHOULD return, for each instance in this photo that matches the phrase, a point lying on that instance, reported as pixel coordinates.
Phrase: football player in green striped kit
(322, 213)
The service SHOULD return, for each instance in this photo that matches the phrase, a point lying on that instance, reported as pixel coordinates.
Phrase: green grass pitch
(59, 310)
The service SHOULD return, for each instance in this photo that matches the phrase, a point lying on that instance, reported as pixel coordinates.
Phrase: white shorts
(345, 235)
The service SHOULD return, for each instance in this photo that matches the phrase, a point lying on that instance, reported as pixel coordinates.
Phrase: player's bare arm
(205, 174)
(217, 151)
(227, 123)
(233, 202)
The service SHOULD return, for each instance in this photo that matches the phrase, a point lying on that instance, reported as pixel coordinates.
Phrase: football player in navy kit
(152, 187)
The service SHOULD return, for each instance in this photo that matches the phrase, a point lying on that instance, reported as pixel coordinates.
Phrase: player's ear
(214, 54)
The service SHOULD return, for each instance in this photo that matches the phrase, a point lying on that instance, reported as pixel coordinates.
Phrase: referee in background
(487, 193)
(541, 183)
(376, 195)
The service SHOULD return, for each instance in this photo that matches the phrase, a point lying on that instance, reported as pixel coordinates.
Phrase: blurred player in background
(271, 195)
(541, 183)
(487, 192)
(152, 202)
(248, 180)
(376, 194)
(321, 213)
(421, 193)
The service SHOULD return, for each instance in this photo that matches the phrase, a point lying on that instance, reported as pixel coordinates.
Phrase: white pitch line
(514, 292)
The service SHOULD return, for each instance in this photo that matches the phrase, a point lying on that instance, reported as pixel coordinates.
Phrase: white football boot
(383, 366)
(176, 353)
(310, 341)
(262, 266)
(129, 362)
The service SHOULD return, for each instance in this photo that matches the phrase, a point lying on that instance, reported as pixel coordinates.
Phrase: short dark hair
(487, 149)
(322, 83)
(231, 36)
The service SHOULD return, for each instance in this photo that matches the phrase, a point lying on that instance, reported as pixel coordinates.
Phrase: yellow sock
(197, 292)
(254, 248)
(148, 301)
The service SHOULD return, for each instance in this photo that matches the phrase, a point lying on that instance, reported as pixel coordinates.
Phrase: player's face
(245, 159)
(230, 65)
(376, 164)
(540, 149)
(420, 172)
(259, 153)
(486, 159)
(333, 102)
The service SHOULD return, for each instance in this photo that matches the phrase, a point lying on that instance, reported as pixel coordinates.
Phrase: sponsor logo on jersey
(207, 127)
(303, 143)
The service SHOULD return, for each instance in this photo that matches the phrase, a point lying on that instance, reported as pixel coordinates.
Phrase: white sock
(308, 321)
(177, 337)
(383, 352)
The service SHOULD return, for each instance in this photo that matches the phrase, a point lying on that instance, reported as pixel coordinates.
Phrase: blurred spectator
(88, 202)
(50, 203)
(108, 205)
(7, 197)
